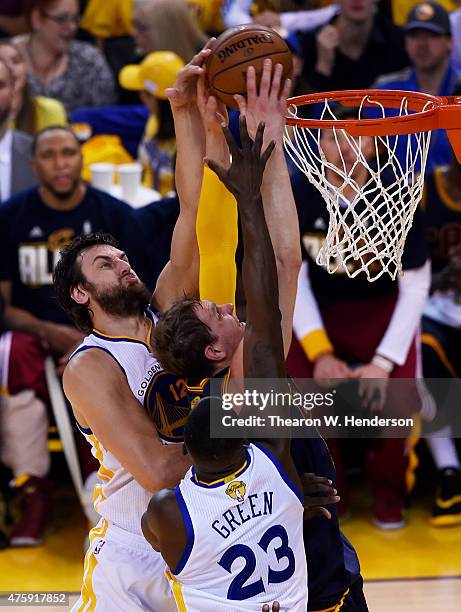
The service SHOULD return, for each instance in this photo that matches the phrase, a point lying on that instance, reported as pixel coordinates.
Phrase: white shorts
(122, 573)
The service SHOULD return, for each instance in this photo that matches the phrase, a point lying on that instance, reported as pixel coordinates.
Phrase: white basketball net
(369, 218)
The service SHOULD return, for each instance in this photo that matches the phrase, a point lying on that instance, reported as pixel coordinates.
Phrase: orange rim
(440, 112)
(436, 108)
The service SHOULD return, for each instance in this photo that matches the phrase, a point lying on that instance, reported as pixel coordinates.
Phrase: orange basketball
(237, 49)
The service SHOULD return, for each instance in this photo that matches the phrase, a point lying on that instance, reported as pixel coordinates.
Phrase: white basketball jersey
(120, 499)
(244, 540)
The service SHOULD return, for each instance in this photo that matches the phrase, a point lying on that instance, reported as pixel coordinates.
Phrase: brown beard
(121, 301)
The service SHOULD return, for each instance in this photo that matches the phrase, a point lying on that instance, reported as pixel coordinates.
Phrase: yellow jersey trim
(176, 587)
(224, 480)
(146, 342)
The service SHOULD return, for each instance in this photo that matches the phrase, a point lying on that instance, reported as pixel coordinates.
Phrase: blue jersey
(443, 219)
(32, 234)
(440, 151)
(313, 225)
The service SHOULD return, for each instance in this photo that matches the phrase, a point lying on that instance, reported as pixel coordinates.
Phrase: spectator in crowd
(428, 43)
(401, 8)
(12, 18)
(156, 73)
(106, 19)
(441, 332)
(34, 226)
(353, 49)
(207, 14)
(455, 21)
(60, 67)
(166, 25)
(15, 146)
(295, 16)
(340, 322)
(30, 114)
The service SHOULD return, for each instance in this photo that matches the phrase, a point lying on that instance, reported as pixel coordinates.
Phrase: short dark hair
(180, 339)
(197, 433)
(68, 275)
(52, 128)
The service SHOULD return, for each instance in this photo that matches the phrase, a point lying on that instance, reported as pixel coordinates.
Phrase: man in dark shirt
(34, 226)
(350, 328)
(351, 50)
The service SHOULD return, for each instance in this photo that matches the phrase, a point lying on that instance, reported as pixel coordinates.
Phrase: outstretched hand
(269, 104)
(213, 111)
(245, 174)
(184, 90)
(313, 503)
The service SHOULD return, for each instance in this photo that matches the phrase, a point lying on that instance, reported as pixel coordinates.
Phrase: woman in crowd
(31, 114)
(60, 67)
(156, 73)
(166, 25)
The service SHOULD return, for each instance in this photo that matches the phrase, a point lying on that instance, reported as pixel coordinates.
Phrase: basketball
(237, 49)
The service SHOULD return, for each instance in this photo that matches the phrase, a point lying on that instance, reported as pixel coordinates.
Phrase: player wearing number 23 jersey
(244, 539)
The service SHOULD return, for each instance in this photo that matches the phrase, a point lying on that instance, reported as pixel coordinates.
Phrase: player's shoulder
(393, 80)
(89, 360)
(163, 506)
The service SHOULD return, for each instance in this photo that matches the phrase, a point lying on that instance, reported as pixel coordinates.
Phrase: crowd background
(99, 70)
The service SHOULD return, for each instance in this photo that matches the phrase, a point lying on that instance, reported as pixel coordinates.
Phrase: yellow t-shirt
(109, 18)
(401, 8)
(207, 14)
(217, 237)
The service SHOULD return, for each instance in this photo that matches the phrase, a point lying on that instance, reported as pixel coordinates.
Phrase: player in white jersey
(232, 531)
(104, 381)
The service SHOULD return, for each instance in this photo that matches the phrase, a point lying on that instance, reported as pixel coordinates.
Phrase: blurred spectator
(297, 15)
(151, 78)
(107, 19)
(455, 20)
(15, 147)
(30, 114)
(349, 328)
(12, 17)
(441, 335)
(166, 25)
(207, 14)
(34, 226)
(428, 43)
(353, 49)
(401, 8)
(73, 72)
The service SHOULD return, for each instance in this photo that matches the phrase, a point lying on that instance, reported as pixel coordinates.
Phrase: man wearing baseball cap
(429, 16)
(428, 43)
(156, 73)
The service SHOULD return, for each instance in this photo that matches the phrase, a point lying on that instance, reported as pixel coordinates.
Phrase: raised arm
(269, 105)
(262, 346)
(217, 230)
(263, 355)
(152, 464)
(180, 275)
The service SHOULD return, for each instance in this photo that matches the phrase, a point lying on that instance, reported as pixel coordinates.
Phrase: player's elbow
(161, 478)
(289, 262)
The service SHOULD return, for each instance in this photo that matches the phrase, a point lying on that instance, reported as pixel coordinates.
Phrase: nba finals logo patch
(236, 490)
